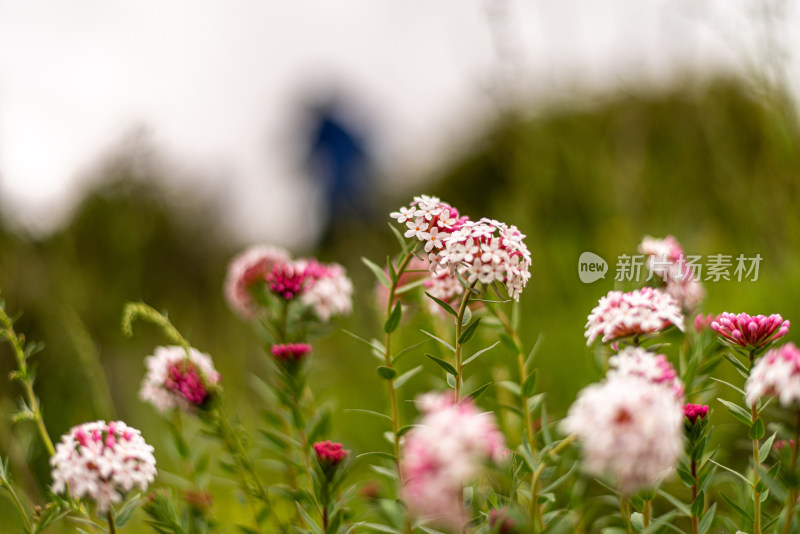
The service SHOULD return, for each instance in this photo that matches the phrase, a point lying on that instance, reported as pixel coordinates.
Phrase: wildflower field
(410, 389)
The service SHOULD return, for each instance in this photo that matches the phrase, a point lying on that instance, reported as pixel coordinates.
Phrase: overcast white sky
(219, 85)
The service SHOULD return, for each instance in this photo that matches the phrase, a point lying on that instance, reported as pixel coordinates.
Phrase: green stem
(552, 453)
(756, 465)
(23, 375)
(14, 497)
(459, 328)
(112, 526)
(695, 520)
(625, 512)
(791, 499)
(646, 513)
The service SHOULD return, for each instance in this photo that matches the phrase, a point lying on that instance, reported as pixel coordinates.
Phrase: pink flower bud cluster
(329, 453)
(694, 412)
(324, 288)
(655, 368)
(446, 450)
(642, 311)
(666, 259)
(748, 332)
(776, 374)
(291, 352)
(177, 379)
(102, 461)
(630, 430)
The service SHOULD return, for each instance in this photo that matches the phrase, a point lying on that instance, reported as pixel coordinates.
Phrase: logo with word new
(591, 267)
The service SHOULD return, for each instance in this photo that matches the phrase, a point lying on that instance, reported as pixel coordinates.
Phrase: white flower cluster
(488, 251)
(429, 220)
(641, 311)
(447, 449)
(168, 385)
(102, 462)
(655, 368)
(777, 374)
(330, 293)
(666, 259)
(246, 268)
(630, 430)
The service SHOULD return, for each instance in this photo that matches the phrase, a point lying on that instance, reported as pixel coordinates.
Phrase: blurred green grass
(716, 165)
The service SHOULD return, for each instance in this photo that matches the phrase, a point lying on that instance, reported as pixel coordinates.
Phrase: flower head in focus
(102, 461)
(429, 220)
(642, 311)
(655, 368)
(750, 332)
(245, 271)
(487, 251)
(329, 453)
(776, 374)
(179, 379)
(447, 449)
(630, 430)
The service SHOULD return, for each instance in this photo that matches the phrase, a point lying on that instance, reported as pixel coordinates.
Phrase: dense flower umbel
(447, 449)
(102, 462)
(487, 251)
(693, 412)
(247, 269)
(291, 352)
(429, 220)
(176, 379)
(776, 374)
(286, 279)
(329, 291)
(751, 333)
(635, 361)
(666, 259)
(630, 430)
(641, 311)
(329, 453)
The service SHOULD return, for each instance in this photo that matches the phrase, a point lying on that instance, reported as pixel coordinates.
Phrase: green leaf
(443, 364)
(374, 345)
(738, 390)
(699, 505)
(705, 523)
(756, 429)
(126, 512)
(392, 271)
(729, 470)
(370, 412)
(407, 350)
(310, 522)
(381, 528)
(393, 321)
(763, 452)
(740, 367)
(378, 272)
(405, 288)
(386, 372)
(402, 379)
(474, 356)
(467, 334)
(404, 430)
(440, 340)
(529, 386)
(737, 411)
(445, 306)
(477, 393)
(451, 380)
(380, 454)
(400, 239)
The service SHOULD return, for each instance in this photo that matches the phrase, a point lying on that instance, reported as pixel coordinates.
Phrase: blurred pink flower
(655, 368)
(177, 379)
(446, 450)
(290, 352)
(751, 333)
(247, 269)
(666, 259)
(102, 461)
(641, 311)
(776, 374)
(630, 430)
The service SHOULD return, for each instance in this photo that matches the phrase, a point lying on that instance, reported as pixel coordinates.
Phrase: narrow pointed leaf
(377, 271)
(393, 321)
(445, 306)
(443, 364)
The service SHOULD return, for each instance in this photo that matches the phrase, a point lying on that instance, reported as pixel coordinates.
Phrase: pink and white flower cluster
(102, 461)
(655, 368)
(630, 429)
(483, 251)
(178, 379)
(750, 332)
(446, 450)
(429, 220)
(487, 251)
(325, 288)
(642, 311)
(666, 259)
(776, 374)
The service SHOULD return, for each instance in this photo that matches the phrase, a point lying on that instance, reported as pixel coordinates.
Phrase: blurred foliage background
(714, 164)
